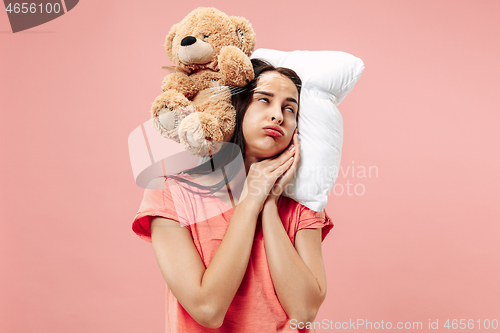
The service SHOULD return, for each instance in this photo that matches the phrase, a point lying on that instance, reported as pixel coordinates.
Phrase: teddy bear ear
(246, 35)
(169, 40)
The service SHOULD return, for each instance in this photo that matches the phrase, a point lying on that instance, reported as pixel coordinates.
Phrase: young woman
(255, 267)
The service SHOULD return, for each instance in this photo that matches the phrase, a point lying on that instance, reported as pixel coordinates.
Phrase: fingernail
(292, 149)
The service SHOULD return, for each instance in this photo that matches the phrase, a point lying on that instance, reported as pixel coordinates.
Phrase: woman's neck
(249, 160)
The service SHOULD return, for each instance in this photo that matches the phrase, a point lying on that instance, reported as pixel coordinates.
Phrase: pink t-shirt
(255, 307)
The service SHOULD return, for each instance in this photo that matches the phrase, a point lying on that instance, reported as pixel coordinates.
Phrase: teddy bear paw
(168, 120)
(168, 111)
(235, 67)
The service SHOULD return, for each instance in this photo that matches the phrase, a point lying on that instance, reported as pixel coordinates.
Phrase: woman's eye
(263, 99)
(290, 109)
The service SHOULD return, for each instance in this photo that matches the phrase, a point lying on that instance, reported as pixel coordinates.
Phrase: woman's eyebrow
(264, 93)
(289, 99)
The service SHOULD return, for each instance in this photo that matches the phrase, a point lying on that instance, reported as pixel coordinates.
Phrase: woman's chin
(266, 148)
(271, 152)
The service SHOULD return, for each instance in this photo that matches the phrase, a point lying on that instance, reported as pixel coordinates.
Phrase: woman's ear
(246, 35)
(168, 43)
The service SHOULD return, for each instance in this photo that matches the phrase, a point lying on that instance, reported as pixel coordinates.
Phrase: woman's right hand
(263, 175)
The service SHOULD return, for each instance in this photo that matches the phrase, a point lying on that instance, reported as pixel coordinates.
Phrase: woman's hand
(287, 177)
(263, 176)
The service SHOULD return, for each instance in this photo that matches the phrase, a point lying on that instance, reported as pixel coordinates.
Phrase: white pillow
(327, 77)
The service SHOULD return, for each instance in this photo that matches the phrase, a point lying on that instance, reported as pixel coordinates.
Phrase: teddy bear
(211, 52)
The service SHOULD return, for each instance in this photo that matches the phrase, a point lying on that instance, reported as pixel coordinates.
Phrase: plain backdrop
(417, 242)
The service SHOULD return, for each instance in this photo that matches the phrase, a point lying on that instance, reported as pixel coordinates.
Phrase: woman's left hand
(287, 176)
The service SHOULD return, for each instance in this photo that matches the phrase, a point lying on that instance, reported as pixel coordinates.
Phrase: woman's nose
(276, 115)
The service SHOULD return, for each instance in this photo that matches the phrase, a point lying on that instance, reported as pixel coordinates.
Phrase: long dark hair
(230, 153)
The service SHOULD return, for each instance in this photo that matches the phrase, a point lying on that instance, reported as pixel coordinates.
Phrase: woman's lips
(272, 132)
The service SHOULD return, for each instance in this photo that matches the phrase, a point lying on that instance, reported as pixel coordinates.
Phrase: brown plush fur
(195, 107)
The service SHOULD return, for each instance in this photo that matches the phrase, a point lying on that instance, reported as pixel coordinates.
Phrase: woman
(256, 267)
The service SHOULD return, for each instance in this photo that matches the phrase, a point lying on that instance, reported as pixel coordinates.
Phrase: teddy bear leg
(222, 109)
(168, 111)
(227, 123)
(199, 132)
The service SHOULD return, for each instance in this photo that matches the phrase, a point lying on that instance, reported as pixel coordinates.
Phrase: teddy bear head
(196, 41)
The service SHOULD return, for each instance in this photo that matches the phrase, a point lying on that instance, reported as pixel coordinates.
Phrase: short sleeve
(310, 219)
(155, 202)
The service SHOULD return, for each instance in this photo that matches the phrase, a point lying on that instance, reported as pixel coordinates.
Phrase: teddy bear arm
(181, 83)
(235, 67)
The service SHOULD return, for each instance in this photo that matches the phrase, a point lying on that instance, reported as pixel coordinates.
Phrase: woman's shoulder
(298, 216)
(289, 204)
(173, 186)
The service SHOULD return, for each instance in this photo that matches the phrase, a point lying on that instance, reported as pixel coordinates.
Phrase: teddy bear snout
(195, 51)
(189, 40)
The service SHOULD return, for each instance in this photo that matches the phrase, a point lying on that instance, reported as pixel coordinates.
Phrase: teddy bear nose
(189, 40)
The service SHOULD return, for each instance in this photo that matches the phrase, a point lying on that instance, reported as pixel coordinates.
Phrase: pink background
(421, 242)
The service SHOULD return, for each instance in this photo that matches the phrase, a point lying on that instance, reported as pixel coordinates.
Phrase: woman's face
(270, 120)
